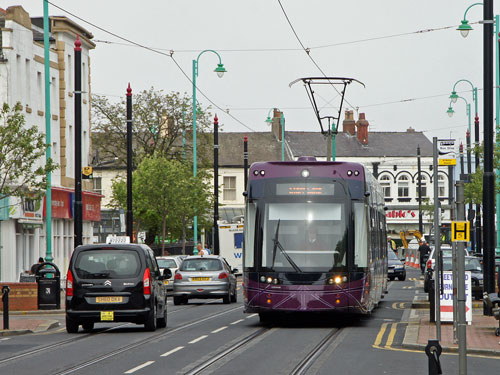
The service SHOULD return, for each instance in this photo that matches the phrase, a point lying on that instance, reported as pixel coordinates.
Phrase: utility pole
(78, 214)
(420, 216)
(129, 218)
(470, 215)
(245, 162)
(437, 241)
(478, 206)
(216, 185)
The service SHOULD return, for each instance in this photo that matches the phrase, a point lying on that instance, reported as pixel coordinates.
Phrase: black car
(115, 283)
(395, 267)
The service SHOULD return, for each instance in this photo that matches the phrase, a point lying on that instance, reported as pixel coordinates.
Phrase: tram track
(84, 336)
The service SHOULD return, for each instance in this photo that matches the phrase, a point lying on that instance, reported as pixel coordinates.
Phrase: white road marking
(238, 321)
(251, 316)
(139, 367)
(198, 339)
(5, 339)
(219, 329)
(172, 351)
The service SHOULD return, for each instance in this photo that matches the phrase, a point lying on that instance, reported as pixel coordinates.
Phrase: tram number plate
(200, 278)
(109, 299)
(108, 316)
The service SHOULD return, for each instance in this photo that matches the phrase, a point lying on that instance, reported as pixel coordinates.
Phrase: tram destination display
(302, 188)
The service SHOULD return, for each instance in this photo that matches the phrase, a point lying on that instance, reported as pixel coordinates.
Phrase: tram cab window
(313, 235)
(249, 237)
(360, 234)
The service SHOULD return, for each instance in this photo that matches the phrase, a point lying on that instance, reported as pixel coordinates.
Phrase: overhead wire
(155, 51)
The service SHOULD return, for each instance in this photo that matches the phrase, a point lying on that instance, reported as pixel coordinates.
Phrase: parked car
(207, 276)
(395, 267)
(429, 267)
(115, 283)
(172, 263)
(475, 267)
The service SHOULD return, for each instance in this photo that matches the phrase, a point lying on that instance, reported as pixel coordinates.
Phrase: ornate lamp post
(220, 70)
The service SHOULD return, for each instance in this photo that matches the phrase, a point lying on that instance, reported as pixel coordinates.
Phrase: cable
(155, 51)
(308, 52)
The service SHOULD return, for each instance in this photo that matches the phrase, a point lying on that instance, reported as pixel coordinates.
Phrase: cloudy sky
(408, 71)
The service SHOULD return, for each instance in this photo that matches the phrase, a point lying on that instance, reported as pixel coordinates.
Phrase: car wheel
(426, 286)
(71, 325)
(162, 321)
(402, 277)
(150, 323)
(227, 298)
(177, 300)
(88, 326)
(234, 297)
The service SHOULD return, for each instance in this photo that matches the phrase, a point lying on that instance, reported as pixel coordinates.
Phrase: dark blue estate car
(395, 267)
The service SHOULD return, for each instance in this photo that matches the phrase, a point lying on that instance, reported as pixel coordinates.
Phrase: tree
(166, 196)
(158, 122)
(23, 169)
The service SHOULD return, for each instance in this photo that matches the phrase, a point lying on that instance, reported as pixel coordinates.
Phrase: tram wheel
(265, 318)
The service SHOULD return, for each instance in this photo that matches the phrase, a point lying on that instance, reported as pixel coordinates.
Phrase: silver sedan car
(208, 276)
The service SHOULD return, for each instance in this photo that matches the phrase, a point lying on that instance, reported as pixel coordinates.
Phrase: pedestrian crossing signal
(460, 231)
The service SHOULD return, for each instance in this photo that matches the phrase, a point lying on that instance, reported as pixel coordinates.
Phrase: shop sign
(91, 206)
(61, 204)
(401, 214)
(25, 208)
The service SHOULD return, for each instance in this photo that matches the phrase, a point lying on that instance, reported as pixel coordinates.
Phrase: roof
(380, 144)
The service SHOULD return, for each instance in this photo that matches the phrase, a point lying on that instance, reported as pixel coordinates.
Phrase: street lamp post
(269, 121)
(220, 70)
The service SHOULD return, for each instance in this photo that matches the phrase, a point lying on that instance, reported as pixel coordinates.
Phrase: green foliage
(23, 170)
(158, 123)
(165, 195)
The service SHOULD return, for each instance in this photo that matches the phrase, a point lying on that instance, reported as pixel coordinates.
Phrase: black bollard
(433, 351)
(432, 302)
(5, 300)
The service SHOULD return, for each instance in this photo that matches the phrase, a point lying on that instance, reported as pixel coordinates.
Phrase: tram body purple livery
(315, 238)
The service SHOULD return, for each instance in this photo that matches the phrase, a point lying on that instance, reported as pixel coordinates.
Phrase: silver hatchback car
(208, 276)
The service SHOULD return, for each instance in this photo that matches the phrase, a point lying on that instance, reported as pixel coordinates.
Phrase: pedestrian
(206, 251)
(391, 243)
(424, 251)
(35, 266)
(198, 250)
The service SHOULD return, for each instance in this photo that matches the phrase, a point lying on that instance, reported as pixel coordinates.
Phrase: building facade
(22, 79)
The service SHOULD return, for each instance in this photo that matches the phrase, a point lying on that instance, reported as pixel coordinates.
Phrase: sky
(408, 75)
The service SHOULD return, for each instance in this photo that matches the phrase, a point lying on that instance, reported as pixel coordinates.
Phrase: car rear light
(178, 276)
(146, 280)
(69, 284)
(429, 264)
(223, 275)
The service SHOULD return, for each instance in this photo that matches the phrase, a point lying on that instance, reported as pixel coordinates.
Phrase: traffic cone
(406, 261)
(412, 259)
(417, 260)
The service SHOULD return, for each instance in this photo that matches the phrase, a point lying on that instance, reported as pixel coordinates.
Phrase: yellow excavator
(409, 233)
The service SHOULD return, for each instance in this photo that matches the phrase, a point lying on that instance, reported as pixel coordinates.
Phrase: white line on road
(139, 367)
(219, 329)
(198, 339)
(251, 316)
(172, 351)
(238, 321)
(5, 339)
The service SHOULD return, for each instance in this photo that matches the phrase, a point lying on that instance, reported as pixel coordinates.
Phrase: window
(403, 186)
(229, 192)
(70, 74)
(385, 183)
(249, 234)
(423, 180)
(27, 94)
(40, 90)
(97, 181)
(441, 186)
(361, 235)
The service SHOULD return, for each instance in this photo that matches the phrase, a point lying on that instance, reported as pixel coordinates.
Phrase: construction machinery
(409, 233)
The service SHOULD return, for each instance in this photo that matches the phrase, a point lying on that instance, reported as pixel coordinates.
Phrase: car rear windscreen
(201, 265)
(166, 263)
(100, 264)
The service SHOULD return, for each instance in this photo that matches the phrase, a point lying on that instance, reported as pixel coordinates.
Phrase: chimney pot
(362, 125)
(349, 125)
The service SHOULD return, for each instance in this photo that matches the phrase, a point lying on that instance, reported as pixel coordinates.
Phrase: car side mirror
(235, 270)
(167, 273)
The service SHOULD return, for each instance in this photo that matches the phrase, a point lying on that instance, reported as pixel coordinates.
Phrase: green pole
(282, 122)
(195, 73)
(497, 125)
(48, 153)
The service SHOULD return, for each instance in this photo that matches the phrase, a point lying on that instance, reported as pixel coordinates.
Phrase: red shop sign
(91, 206)
(401, 214)
(61, 204)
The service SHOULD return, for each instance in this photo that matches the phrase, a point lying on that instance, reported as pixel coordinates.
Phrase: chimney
(349, 125)
(410, 130)
(276, 124)
(362, 125)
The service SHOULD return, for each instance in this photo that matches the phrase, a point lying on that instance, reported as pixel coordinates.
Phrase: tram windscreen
(313, 235)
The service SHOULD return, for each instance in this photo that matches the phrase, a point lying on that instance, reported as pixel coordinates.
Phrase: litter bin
(48, 279)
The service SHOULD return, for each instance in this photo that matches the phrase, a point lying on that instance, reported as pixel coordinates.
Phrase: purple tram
(315, 238)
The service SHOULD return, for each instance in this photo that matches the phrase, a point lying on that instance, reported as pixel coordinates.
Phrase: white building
(22, 79)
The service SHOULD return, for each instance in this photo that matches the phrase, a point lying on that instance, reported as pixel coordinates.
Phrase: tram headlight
(305, 173)
(262, 172)
(256, 172)
(330, 281)
(356, 173)
(349, 172)
(262, 279)
(275, 281)
(337, 279)
(269, 280)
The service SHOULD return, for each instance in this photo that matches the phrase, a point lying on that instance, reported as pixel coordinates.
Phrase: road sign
(446, 150)
(446, 298)
(460, 231)
(87, 172)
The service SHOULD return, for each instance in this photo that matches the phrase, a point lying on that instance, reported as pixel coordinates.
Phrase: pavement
(22, 322)
(480, 336)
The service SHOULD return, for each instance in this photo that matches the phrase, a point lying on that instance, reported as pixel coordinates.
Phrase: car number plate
(109, 299)
(107, 316)
(391, 271)
(165, 282)
(200, 278)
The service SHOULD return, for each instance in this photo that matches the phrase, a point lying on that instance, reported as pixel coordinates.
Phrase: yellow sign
(87, 171)
(460, 231)
(107, 316)
(447, 161)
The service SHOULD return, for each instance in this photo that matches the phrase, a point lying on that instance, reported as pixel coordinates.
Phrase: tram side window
(249, 237)
(360, 234)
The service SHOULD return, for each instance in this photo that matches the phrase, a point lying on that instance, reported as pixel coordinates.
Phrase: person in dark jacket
(35, 266)
(424, 251)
